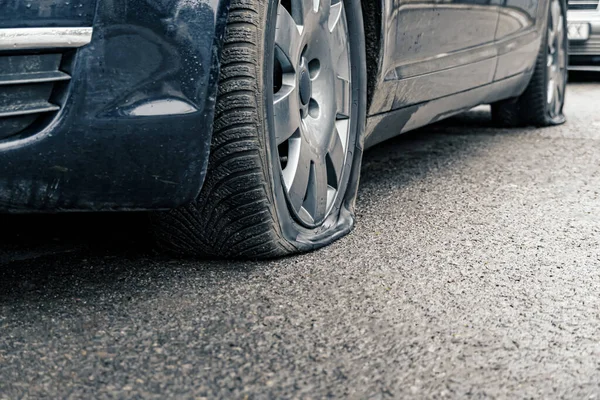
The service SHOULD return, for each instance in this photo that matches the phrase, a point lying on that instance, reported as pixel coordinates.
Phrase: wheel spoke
(556, 62)
(551, 34)
(296, 174)
(342, 96)
(559, 78)
(316, 4)
(336, 153)
(286, 113)
(561, 44)
(316, 195)
(288, 35)
(557, 100)
(559, 26)
(556, 13)
(322, 7)
(342, 125)
(308, 12)
(335, 13)
(551, 49)
(339, 40)
(562, 62)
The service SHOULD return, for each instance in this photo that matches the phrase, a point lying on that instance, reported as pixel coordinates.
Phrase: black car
(241, 123)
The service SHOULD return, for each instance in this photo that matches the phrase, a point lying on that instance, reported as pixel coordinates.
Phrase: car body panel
(385, 126)
(492, 69)
(425, 38)
(515, 54)
(516, 17)
(520, 31)
(46, 13)
(134, 131)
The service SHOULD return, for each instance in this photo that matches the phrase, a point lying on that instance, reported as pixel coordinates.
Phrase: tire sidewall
(340, 219)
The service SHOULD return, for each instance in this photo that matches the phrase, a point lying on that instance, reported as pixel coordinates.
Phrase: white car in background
(583, 17)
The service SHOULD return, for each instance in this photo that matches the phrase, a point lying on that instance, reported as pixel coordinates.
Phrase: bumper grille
(589, 47)
(582, 4)
(28, 90)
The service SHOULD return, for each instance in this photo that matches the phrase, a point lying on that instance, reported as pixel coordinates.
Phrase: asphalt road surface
(473, 271)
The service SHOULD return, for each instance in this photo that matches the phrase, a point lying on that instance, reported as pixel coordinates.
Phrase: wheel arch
(373, 21)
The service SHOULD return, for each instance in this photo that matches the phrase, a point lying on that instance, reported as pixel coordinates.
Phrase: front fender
(135, 125)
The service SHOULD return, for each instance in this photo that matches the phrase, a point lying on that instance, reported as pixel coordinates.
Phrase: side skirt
(384, 126)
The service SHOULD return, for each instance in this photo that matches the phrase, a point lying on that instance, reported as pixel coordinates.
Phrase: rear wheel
(286, 150)
(542, 102)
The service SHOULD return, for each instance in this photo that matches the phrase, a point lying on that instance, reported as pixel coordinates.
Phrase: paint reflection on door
(427, 37)
(516, 16)
(518, 36)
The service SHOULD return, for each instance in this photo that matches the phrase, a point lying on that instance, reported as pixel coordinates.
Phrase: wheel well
(371, 10)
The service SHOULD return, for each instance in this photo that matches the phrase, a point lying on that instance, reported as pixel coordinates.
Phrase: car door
(433, 48)
(518, 35)
(516, 17)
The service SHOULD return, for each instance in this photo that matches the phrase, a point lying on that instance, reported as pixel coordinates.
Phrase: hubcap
(556, 63)
(311, 104)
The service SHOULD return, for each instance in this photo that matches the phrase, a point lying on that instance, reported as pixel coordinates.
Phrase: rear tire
(246, 207)
(538, 105)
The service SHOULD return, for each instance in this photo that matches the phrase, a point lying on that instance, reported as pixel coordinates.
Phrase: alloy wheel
(311, 104)
(556, 63)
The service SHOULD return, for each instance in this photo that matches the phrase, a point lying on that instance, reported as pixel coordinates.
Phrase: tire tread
(233, 215)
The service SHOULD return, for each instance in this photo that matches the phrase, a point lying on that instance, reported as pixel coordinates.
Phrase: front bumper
(585, 55)
(133, 131)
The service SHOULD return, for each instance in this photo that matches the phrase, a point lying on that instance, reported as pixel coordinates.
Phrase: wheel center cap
(305, 87)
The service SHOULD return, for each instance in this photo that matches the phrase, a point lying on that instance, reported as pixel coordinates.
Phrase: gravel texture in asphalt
(473, 271)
